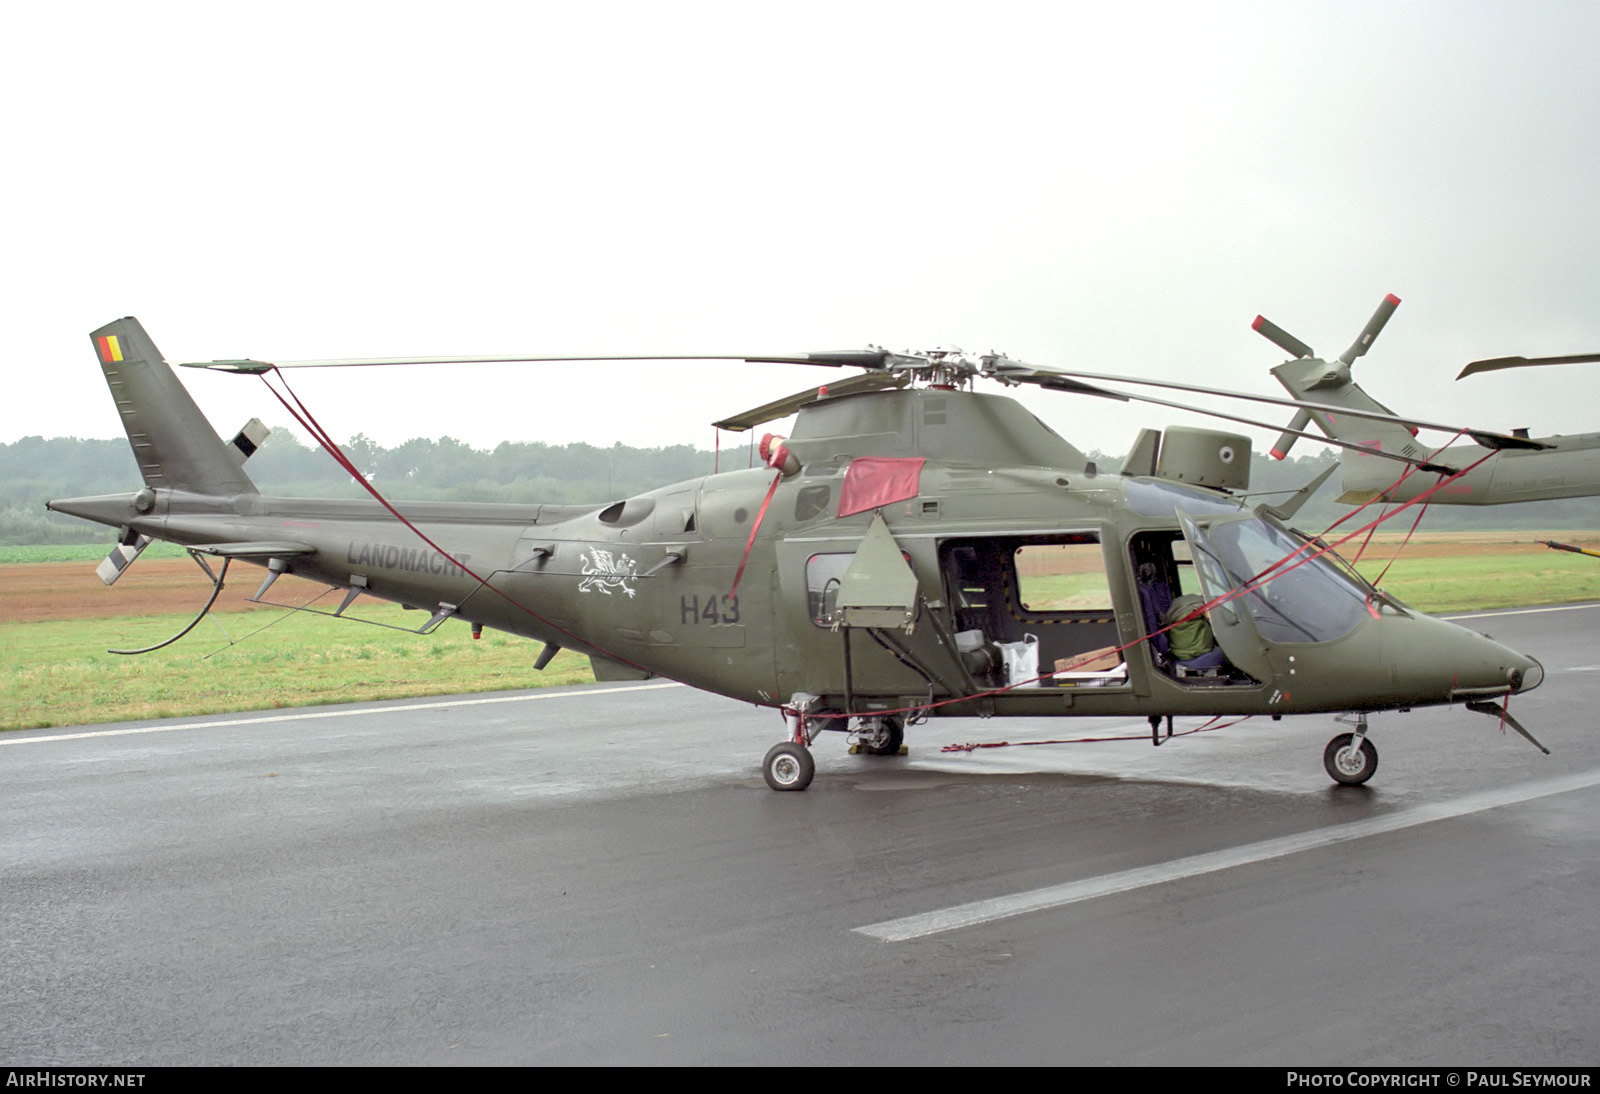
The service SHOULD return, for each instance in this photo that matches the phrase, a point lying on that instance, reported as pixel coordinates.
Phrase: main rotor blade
(868, 359)
(1494, 364)
(1020, 372)
(1487, 438)
(782, 408)
(1422, 464)
(1291, 432)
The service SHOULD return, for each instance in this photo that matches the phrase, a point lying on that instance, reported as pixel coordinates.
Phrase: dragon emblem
(603, 571)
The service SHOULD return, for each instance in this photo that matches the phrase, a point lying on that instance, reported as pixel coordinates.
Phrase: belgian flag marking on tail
(110, 349)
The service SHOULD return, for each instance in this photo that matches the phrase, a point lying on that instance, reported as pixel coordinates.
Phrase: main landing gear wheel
(1347, 765)
(788, 766)
(884, 738)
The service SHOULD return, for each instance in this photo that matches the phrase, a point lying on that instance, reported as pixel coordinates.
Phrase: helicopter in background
(1561, 467)
(916, 548)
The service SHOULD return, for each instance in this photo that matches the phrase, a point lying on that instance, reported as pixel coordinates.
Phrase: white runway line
(305, 716)
(987, 911)
(1523, 611)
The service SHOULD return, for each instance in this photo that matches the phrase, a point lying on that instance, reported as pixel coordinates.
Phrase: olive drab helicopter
(914, 548)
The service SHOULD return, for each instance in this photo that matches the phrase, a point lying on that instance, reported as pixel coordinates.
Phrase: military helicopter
(916, 548)
(1560, 467)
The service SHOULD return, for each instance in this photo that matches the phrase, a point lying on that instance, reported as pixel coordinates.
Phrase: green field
(1478, 582)
(81, 552)
(60, 673)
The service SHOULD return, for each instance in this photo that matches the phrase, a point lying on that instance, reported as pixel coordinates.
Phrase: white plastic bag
(1021, 661)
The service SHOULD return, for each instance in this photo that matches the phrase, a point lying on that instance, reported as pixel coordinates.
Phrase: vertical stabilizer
(175, 446)
(1318, 381)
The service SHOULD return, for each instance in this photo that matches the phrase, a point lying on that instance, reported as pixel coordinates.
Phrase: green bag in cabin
(1192, 638)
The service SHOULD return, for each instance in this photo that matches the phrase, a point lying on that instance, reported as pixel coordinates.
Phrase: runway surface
(599, 875)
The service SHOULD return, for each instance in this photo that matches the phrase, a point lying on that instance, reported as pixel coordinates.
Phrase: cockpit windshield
(1297, 601)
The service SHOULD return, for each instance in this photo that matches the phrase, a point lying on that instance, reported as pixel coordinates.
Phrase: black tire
(894, 737)
(788, 766)
(1348, 766)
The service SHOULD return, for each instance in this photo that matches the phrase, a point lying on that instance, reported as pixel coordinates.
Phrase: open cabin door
(1024, 604)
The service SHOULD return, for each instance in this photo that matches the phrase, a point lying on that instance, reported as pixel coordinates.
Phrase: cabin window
(824, 575)
(811, 502)
(1062, 577)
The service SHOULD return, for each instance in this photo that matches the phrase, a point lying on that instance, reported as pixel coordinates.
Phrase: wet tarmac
(600, 875)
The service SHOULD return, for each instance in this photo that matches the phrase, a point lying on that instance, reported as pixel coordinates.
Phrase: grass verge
(60, 674)
(80, 552)
(1486, 581)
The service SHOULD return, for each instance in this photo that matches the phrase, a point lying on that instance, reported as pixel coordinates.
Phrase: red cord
(754, 528)
(308, 421)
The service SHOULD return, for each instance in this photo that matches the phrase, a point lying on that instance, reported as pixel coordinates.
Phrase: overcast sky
(1115, 187)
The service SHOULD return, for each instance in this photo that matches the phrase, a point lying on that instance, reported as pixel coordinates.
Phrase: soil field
(1463, 544)
(36, 592)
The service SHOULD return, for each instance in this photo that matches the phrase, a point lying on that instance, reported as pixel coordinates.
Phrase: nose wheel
(1350, 761)
(788, 766)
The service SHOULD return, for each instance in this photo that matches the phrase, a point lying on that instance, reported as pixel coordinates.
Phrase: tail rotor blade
(1280, 337)
(1281, 446)
(1374, 325)
(120, 558)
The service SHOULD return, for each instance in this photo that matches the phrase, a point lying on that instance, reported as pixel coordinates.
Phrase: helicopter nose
(1432, 660)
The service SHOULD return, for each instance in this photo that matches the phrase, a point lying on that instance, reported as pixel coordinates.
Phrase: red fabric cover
(874, 481)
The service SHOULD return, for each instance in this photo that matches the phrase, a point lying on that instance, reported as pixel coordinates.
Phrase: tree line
(35, 469)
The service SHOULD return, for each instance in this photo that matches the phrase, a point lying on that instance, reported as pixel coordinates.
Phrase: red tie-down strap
(776, 455)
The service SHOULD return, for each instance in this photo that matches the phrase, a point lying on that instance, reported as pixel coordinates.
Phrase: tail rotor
(1310, 378)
